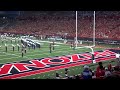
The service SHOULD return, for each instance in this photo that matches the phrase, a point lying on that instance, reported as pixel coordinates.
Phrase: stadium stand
(114, 73)
(107, 25)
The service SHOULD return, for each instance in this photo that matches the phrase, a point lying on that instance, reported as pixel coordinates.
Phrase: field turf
(60, 49)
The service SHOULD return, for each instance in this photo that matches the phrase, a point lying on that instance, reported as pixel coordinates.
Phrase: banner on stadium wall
(26, 68)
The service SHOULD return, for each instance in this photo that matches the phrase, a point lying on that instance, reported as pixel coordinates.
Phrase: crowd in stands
(107, 25)
(109, 72)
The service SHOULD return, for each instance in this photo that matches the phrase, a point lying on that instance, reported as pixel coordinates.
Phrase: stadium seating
(107, 25)
(114, 73)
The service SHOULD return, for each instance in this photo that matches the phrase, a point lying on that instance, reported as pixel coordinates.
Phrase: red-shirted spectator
(100, 71)
(109, 67)
(116, 72)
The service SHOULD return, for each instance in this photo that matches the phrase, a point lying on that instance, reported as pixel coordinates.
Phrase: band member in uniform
(15, 40)
(66, 72)
(88, 42)
(13, 47)
(18, 47)
(2, 41)
(22, 53)
(6, 41)
(53, 45)
(39, 46)
(18, 40)
(57, 76)
(25, 50)
(50, 47)
(34, 47)
(93, 58)
(22, 49)
(11, 40)
(5, 47)
(29, 46)
(73, 46)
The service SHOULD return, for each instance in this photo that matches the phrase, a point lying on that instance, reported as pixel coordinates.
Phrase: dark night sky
(8, 13)
(16, 13)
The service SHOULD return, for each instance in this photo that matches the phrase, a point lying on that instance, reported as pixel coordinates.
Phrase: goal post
(76, 41)
(76, 38)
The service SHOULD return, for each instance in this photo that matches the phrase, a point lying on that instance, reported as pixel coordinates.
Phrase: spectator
(86, 74)
(107, 72)
(77, 77)
(107, 26)
(58, 76)
(66, 72)
(93, 75)
(100, 71)
(116, 72)
(109, 67)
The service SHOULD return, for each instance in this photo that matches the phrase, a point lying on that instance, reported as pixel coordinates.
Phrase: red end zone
(32, 67)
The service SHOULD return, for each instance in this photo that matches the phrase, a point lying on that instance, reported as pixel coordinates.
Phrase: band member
(88, 42)
(71, 45)
(29, 46)
(93, 58)
(34, 47)
(39, 46)
(18, 47)
(5, 47)
(6, 41)
(11, 41)
(53, 45)
(57, 76)
(13, 47)
(22, 49)
(25, 50)
(2, 41)
(50, 47)
(18, 41)
(15, 40)
(22, 53)
(66, 72)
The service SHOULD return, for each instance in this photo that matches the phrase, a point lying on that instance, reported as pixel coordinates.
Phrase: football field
(60, 49)
(44, 51)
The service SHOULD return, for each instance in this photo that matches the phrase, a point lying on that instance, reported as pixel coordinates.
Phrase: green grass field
(60, 49)
(72, 71)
